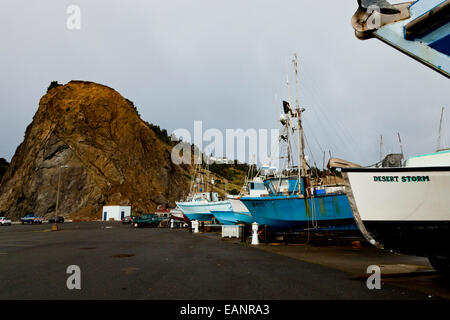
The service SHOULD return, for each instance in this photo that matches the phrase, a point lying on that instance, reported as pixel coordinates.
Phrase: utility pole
(55, 227)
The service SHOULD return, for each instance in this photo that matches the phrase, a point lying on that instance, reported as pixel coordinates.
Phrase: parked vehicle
(150, 220)
(30, 218)
(59, 219)
(128, 219)
(4, 221)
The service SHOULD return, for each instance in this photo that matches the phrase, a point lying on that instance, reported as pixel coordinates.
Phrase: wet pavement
(120, 262)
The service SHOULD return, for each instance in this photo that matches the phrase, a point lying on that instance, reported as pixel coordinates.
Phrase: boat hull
(200, 216)
(225, 217)
(406, 210)
(232, 217)
(201, 211)
(283, 213)
(244, 217)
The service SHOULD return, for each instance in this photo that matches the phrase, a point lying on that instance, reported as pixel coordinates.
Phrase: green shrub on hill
(3, 167)
(52, 85)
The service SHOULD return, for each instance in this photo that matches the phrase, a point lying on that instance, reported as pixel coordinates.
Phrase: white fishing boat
(202, 199)
(200, 206)
(405, 209)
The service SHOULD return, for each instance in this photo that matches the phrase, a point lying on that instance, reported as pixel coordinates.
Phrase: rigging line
(315, 109)
(314, 89)
(337, 133)
(314, 137)
(307, 143)
(272, 155)
(310, 152)
(373, 165)
(315, 223)
(444, 133)
(295, 143)
(340, 129)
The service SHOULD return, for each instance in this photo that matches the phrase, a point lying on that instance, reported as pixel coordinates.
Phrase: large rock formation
(112, 157)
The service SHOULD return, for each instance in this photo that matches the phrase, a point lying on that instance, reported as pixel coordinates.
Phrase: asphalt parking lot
(120, 262)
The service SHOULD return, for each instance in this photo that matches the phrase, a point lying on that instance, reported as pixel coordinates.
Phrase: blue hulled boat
(240, 213)
(297, 200)
(319, 208)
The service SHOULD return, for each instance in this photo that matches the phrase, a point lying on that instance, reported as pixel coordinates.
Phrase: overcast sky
(223, 62)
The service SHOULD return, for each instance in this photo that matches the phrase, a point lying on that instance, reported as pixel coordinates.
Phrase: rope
(313, 212)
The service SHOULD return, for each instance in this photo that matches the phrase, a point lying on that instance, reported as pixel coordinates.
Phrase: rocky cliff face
(93, 139)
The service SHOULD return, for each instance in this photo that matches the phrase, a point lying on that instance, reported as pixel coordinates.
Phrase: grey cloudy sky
(223, 62)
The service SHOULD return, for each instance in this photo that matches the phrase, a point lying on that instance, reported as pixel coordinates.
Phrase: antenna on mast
(440, 130)
(298, 114)
(287, 126)
(298, 111)
(381, 148)
(297, 106)
(323, 162)
(401, 146)
(288, 88)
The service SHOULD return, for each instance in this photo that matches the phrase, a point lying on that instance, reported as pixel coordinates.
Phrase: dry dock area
(117, 261)
(409, 272)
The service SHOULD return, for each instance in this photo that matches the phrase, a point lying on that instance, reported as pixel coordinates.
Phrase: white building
(116, 213)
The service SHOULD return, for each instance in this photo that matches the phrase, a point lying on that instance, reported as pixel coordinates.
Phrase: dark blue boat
(297, 201)
(320, 207)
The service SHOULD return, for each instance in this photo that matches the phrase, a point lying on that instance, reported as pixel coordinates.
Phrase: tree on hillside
(52, 85)
(3, 167)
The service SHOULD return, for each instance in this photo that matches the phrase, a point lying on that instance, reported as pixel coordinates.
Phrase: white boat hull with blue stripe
(200, 208)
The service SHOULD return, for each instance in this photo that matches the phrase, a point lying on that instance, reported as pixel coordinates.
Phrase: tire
(440, 264)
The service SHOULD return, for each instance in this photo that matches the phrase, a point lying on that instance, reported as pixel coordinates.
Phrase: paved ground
(411, 272)
(118, 261)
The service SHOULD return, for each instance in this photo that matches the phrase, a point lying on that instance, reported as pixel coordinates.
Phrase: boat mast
(400, 141)
(301, 148)
(381, 149)
(288, 125)
(440, 130)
